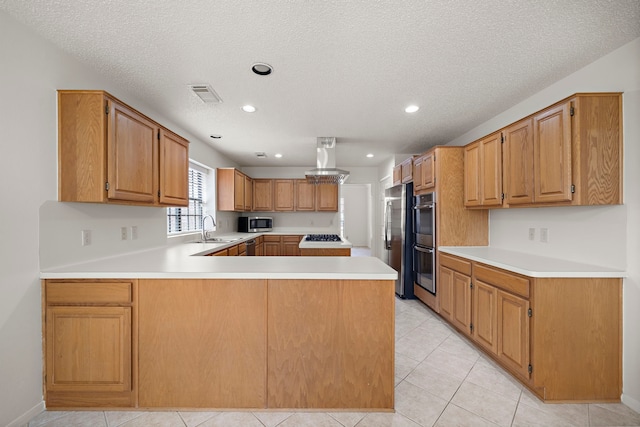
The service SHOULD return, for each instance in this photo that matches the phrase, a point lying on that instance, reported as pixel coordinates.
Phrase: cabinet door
(517, 154)
(327, 197)
(461, 302)
(88, 349)
(417, 173)
(485, 317)
(174, 169)
(406, 170)
(248, 194)
(291, 245)
(513, 332)
(552, 154)
(283, 195)
(445, 292)
(472, 174)
(263, 195)
(305, 195)
(132, 146)
(397, 175)
(272, 248)
(238, 190)
(428, 177)
(491, 170)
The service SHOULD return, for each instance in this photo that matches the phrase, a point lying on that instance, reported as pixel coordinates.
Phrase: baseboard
(23, 420)
(631, 402)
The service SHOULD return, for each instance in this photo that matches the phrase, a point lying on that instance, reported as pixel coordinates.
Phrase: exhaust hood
(326, 172)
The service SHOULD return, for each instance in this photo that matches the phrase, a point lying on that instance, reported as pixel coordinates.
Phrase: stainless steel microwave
(254, 224)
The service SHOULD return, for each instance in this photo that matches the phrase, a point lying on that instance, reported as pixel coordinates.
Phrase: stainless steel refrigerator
(398, 236)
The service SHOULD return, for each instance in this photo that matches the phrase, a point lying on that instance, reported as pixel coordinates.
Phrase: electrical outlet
(544, 235)
(133, 232)
(532, 234)
(123, 233)
(86, 237)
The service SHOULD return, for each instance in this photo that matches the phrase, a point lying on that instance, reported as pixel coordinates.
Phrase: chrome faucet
(204, 232)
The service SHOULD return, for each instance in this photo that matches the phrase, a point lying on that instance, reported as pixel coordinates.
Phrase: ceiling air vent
(206, 93)
(261, 154)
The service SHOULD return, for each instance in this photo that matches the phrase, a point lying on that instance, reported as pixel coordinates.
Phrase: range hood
(326, 172)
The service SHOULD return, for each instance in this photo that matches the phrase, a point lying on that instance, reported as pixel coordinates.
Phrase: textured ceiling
(343, 68)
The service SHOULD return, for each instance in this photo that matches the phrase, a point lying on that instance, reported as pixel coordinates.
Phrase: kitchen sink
(217, 240)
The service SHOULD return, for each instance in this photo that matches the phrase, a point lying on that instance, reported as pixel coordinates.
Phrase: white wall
(607, 235)
(31, 221)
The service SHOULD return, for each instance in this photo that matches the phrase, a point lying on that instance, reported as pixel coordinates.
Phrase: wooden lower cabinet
(513, 332)
(485, 318)
(561, 337)
(202, 343)
(215, 343)
(89, 344)
(329, 363)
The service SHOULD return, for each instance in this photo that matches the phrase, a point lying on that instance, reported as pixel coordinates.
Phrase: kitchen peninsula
(166, 328)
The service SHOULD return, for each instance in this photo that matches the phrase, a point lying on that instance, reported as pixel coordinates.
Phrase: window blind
(180, 220)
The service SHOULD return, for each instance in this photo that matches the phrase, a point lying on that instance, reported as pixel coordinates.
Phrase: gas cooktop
(323, 238)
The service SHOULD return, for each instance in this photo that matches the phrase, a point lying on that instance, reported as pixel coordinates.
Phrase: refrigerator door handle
(387, 228)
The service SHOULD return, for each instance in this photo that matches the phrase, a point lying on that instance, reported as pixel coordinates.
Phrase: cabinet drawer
(508, 281)
(272, 238)
(89, 292)
(295, 239)
(458, 264)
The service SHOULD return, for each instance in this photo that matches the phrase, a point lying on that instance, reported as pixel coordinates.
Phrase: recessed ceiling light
(262, 69)
(411, 109)
(214, 136)
(278, 155)
(248, 108)
(370, 155)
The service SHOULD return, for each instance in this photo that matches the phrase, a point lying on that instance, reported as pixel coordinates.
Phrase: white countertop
(530, 265)
(181, 261)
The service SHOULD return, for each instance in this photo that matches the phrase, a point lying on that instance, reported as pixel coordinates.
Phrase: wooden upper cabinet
(428, 170)
(238, 190)
(263, 195)
(417, 173)
(472, 175)
(305, 195)
(491, 176)
(108, 152)
(406, 171)
(231, 190)
(397, 175)
(327, 197)
(517, 158)
(284, 195)
(483, 172)
(248, 194)
(552, 154)
(132, 155)
(567, 154)
(174, 169)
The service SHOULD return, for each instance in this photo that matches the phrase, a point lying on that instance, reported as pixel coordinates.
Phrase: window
(181, 220)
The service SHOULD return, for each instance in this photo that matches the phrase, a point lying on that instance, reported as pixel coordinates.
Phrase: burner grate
(323, 238)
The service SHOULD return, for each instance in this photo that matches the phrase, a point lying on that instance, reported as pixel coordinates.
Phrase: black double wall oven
(424, 253)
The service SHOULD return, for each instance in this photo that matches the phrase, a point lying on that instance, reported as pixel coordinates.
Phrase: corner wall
(606, 235)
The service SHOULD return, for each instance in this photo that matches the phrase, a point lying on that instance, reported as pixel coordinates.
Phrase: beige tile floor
(441, 381)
